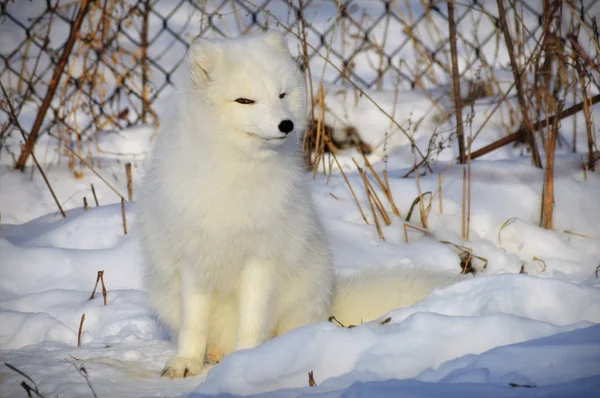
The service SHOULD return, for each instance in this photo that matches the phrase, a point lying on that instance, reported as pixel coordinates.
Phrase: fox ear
(202, 59)
(277, 41)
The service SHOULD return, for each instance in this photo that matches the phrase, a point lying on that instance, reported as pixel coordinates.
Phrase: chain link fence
(77, 69)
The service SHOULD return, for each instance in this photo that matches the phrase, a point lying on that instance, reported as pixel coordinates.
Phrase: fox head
(250, 88)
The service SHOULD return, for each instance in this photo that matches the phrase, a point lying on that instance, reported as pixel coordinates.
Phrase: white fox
(235, 253)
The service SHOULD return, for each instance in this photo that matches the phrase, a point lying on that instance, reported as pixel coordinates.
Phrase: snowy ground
(500, 333)
(525, 325)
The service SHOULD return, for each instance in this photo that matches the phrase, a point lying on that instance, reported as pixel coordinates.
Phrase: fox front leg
(193, 330)
(255, 304)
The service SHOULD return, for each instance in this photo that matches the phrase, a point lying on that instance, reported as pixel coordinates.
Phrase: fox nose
(286, 126)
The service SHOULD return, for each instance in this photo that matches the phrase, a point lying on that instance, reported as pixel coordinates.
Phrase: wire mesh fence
(77, 69)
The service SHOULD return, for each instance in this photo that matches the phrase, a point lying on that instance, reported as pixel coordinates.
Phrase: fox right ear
(202, 59)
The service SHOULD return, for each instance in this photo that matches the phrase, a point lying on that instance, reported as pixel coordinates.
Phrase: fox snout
(286, 126)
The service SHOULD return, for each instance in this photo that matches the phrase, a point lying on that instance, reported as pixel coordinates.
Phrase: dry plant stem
(519, 85)
(144, 61)
(548, 193)
(99, 278)
(94, 194)
(85, 204)
(538, 125)
(423, 212)
(35, 389)
(382, 211)
(58, 70)
(123, 216)
(460, 135)
(384, 187)
(15, 121)
(129, 182)
(469, 190)
(330, 145)
(406, 226)
(440, 193)
(89, 166)
(371, 200)
(305, 58)
(96, 284)
(587, 116)
(80, 330)
(371, 191)
(311, 379)
(104, 295)
(464, 205)
(320, 133)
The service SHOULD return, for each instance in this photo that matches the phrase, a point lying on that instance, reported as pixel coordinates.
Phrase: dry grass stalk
(469, 190)
(384, 187)
(440, 194)
(566, 231)
(423, 210)
(129, 181)
(99, 278)
(333, 196)
(306, 62)
(349, 185)
(371, 200)
(460, 135)
(123, 216)
(86, 163)
(320, 137)
(94, 194)
(407, 226)
(541, 262)
(466, 255)
(382, 211)
(538, 125)
(548, 189)
(586, 115)
(144, 61)
(517, 75)
(371, 191)
(28, 389)
(16, 123)
(463, 223)
(504, 225)
(311, 379)
(85, 204)
(80, 330)
(58, 70)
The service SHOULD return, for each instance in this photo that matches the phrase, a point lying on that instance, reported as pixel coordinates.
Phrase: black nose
(286, 126)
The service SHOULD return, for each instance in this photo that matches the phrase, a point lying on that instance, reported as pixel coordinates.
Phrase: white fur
(235, 253)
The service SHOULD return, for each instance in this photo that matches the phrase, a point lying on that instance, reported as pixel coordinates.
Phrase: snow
(525, 325)
(477, 336)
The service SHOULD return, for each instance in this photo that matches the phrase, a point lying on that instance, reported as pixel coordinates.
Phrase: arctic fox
(235, 253)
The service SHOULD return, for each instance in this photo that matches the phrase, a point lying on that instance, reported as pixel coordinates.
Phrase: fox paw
(214, 356)
(180, 367)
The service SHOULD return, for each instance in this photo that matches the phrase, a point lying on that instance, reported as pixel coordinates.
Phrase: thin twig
(80, 330)
(15, 121)
(58, 70)
(539, 125)
(460, 135)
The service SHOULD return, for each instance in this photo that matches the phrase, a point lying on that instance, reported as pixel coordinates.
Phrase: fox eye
(281, 95)
(244, 101)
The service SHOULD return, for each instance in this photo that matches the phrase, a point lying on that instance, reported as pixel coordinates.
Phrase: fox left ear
(277, 41)
(202, 58)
